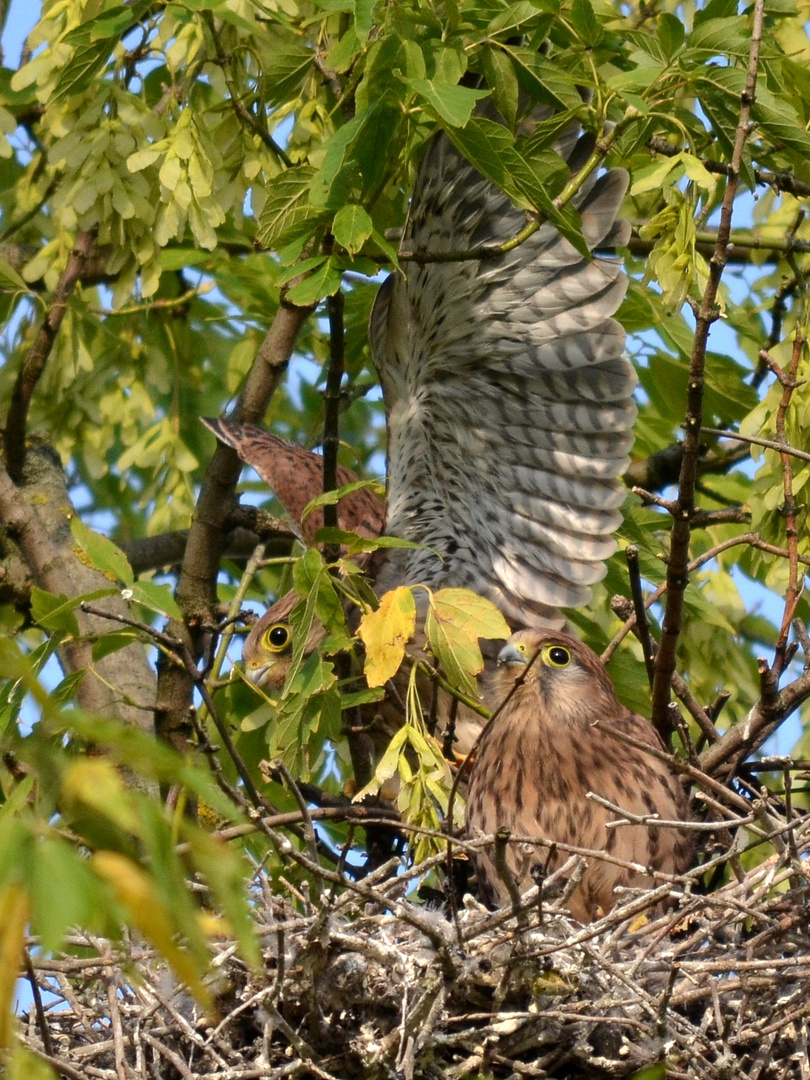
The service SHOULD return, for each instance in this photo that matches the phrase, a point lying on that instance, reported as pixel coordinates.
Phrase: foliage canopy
(181, 184)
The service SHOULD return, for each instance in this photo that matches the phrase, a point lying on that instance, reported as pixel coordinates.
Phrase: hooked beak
(511, 656)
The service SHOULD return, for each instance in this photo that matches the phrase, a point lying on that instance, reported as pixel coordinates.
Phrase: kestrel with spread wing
(508, 400)
(562, 734)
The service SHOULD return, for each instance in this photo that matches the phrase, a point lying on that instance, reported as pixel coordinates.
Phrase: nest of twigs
(365, 980)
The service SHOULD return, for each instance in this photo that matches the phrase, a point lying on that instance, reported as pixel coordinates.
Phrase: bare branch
(34, 364)
(677, 570)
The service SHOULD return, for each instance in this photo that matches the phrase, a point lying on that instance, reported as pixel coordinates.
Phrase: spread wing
(296, 477)
(508, 397)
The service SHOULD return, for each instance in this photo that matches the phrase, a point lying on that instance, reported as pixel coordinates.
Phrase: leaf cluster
(231, 158)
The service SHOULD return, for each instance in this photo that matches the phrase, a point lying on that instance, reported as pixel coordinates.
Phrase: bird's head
(565, 675)
(268, 649)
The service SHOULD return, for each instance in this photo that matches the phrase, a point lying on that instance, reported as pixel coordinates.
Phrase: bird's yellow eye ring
(556, 656)
(277, 637)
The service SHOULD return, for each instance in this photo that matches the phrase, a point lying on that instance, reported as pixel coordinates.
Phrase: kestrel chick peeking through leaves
(560, 736)
(509, 407)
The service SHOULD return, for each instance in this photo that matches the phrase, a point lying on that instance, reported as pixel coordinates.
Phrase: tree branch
(34, 364)
(37, 517)
(196, 589)
(794, 589)
(677, 570)
(780, 181)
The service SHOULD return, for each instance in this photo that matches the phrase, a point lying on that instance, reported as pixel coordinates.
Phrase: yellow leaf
(457, 618)
(13, 917)
(479, 617)
(384, 633)
(387, 767)
(95, 783)
(24, 1065)
(137, 893)
(456, 651)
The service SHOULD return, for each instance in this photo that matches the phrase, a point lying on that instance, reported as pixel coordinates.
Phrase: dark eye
(558, 656)
(277, 637)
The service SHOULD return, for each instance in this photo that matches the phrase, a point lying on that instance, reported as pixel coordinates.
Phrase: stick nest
(367, 981)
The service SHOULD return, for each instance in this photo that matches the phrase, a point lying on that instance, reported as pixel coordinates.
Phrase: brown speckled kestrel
(557, 738)
(508, 400)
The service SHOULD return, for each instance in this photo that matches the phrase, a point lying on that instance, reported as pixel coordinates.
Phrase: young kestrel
(564, 733)
(508, 401)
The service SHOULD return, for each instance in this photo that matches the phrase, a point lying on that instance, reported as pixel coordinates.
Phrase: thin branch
(251, 122)
(765, 717)
(677, 570)
(196, 589)
(740, 243)
(331, 413)
(752, 539)
(769, 444)
(34, 364)
(642, 622)
(779, 181)
(788, 382)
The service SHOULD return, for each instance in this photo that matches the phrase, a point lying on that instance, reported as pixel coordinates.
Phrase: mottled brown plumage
(296, 475)
(557, 738)
(509, 405)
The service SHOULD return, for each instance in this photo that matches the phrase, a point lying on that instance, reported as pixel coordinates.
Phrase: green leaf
(224, 872)
(456, 619)
(57, 869)
(453, 105)
(352, 227)
(671, 33)
(477, 616)
(331, 498)
(490, 147)
(730, 36)
(357, 545)
(10, 279)
(544, 78)
(503, 83)
(285, 68)
(299, 268)
(287, 214)
(54, 612)
(89, 60)
(657, 1071)
(458, 655)
(356, 156)
(585, 22)
(390, 54)
(386, 248)
(515, 15)
(15, 99)
(387, 766)
(113, 642)
(781, 122)
(653, 177)
(446, 63)
(322, 282)
(156, 597)
(153, 914)
(313, 581)
(344, 54)
(363, 10)
(102, 553)
(93, 43)
(307, 717)
(715, 9)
